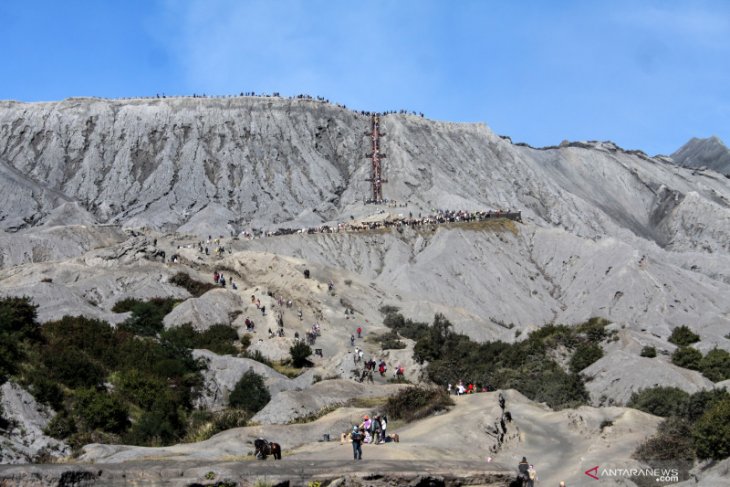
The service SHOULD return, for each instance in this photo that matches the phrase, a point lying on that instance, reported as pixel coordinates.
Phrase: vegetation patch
(526, 366)
(147, 316)
(388, 341)
(219, 339)
(648, 351)
(415, 403)
(300, 353)
(682, 336)
(250, 393)
(194, 287)
(696, 426)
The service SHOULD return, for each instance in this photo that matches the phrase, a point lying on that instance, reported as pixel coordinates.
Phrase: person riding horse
(265, 448)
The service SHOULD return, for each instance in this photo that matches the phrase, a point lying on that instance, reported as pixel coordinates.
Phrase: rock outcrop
(709, 153)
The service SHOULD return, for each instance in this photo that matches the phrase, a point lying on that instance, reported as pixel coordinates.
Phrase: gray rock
(619, 374)
(26, 439)
(216, 307)
(709, 153)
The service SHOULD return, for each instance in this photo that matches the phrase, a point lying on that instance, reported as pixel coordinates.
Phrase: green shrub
(711, 433)
(390, 341)
(204, 424)
(300, 353)
(17, 325)
(258, 356)
(61, 426)
(99, 410)
(716, 365)
(139, 388)
(387, 309)
(585, 355)
(218, 338)
(406, 328)
(45, 390)
(672, 444)
(687, 357)
(72, 367)
(594, 329)
(147, 316)
(250, 393)
(648, 351)
(660, 401)
(415, 403)
(95, 338)
(683, 336)
(193, 286)
(701, 401)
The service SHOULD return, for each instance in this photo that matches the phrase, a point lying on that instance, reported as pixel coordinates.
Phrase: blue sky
(647, 75)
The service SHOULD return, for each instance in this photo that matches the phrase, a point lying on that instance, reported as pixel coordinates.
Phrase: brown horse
(265, 448)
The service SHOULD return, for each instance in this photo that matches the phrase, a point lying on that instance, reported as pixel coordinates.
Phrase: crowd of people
(437, 217)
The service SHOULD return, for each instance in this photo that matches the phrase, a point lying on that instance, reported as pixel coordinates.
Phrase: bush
(17, 325)
(258, 356)
(141, 389)
(661, 401)
(72, 367)
(300, 353)
(193, 286)
(390, 341)
(250, 393)
(61, 426)
(98, 410)
(95, 338)
(594, 329)
(415, 403)
(672, 444)
(683, 336)
(716, 365)
(700, 402)
(687, 357)
(147, 316)
(405, 328)
(711, 433)
(204, 424)
(218, 338)
(585, 355)
(648, 352)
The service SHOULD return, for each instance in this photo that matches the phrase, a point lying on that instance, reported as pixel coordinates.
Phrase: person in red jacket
(359, 332)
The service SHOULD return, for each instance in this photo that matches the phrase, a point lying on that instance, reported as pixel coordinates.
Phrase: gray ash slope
(608, 231)
(710, 153)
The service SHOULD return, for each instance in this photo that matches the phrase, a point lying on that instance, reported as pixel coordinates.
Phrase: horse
(265, 448)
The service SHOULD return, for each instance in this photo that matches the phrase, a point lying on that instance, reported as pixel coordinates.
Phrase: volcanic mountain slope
(608, 232)
(260, 162)
(710, 153)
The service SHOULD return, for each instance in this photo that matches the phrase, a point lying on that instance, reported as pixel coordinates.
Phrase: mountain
(93, 192)
(710, 153)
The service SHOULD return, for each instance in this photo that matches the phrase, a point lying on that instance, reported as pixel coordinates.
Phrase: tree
(660, 401)
(300, 353)
(711, 433)
(250, 393)
(687, 357)
(683, 336)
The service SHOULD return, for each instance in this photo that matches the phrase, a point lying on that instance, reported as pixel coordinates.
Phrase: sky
(647, 75)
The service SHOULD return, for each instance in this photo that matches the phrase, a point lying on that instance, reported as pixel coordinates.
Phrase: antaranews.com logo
(658, 474)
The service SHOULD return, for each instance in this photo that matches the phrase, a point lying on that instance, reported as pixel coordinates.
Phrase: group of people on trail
(371, 431)
(460, 389)
(220, 279)
(527, 473)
